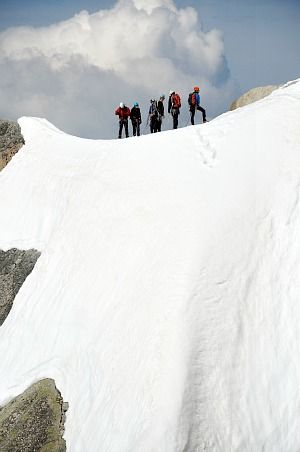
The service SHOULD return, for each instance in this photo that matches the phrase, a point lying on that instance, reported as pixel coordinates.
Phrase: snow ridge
(165, 300)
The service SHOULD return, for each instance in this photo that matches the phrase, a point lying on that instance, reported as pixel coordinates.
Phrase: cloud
(77, 71)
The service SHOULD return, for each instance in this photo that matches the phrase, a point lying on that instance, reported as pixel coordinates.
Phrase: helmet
(122, 105)
(152, 101)
(136, 104)
(196, 89)
(162, 96)
(171, 91)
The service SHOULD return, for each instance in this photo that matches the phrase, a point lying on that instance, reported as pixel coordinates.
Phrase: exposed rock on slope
(34, 420)
(253, 95)
(15, 266)
(11, 140)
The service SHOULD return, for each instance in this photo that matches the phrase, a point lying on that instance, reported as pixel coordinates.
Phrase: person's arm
(117, 112)
(169, 104)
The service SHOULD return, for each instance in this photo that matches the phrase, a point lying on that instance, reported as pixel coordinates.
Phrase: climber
(174, 105)
(153, 116)
(124, 113)
(194, 103)
(160, 111)
(136, 119)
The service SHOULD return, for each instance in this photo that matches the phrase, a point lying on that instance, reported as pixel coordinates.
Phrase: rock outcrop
(15, 266)
(34, 420)
(11, 140)
(253, 95)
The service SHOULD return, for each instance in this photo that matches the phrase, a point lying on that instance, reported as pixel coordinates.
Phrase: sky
(74, 61)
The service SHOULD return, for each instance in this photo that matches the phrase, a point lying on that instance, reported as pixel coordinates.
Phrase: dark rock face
(34, 420)
(15, 266)
(11, 140)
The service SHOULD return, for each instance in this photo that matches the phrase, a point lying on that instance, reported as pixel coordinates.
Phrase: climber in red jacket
(124, 113)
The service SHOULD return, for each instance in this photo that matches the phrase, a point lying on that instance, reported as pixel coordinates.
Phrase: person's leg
(133, 128)
(173, 117)
(120, 128)
(203, 113)
(126, 128)
(175, 120)
(138, 128)
(152, 125)
(159, 125)
(192, 110)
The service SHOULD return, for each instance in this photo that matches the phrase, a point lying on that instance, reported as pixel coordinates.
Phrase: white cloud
(75, 72)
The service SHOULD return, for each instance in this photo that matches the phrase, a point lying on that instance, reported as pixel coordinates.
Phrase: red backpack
(192, 99)
(176, 102)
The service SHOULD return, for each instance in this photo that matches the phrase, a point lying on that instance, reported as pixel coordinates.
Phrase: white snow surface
(166, 301)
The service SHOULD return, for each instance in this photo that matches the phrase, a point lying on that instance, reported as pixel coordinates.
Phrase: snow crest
(165, 303)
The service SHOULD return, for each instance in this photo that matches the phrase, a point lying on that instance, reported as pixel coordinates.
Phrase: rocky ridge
(253, 95)
(11, 140)
(34, 421)
(15, 266)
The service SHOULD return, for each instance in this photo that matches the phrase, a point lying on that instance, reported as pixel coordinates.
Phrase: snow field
(165, 301)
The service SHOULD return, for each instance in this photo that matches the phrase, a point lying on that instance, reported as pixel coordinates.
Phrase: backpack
(176, 102)
(135, 113)
(153, 109)
(192, 99)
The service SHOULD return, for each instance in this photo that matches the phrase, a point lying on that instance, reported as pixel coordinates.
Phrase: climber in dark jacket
(124, 113)
(136, 119)
(161, 111)
(153, 116)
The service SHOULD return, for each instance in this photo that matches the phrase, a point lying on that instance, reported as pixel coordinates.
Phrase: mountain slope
(165, 300)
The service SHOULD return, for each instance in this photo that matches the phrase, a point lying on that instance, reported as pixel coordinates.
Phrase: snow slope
(165, 303)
